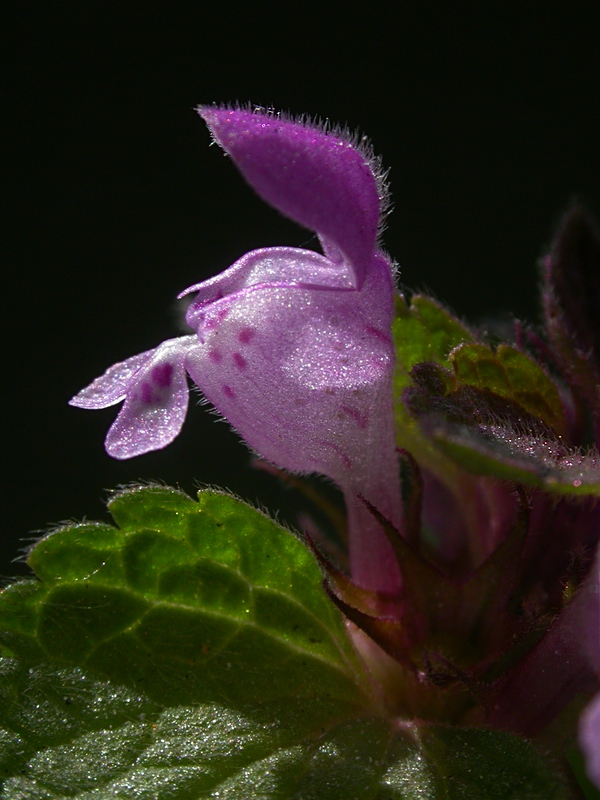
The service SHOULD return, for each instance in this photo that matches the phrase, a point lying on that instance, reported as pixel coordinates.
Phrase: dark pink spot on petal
(215, 356)
(228, 392)
(246, 335)
(362, 420)
(215, 319)
(146, 393)
(379, 334)
(239, 360)
(162, 374)
(339, 452)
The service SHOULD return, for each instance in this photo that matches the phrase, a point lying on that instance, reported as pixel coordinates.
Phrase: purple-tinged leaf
(571, 302)
(512, 374)
(514, 454)
(368, 601)
(446, 610)
(388, 633)
(488, 434)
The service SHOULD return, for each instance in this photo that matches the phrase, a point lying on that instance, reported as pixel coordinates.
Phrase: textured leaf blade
(423, 331)
(571, 302)
(193, 601)
(506, 452)
(77, 737)
(466, 763)
(510, 373)
(192, 652)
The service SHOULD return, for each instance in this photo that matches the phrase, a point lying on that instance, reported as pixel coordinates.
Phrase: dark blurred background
(489, 124)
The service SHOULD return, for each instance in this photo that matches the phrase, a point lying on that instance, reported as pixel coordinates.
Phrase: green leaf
(492, 412)
(510, 453)
(189, 602)
(423, 332)
(509, 373)
(469, 764)
(65, 734)
(191, 652)
(488, 434)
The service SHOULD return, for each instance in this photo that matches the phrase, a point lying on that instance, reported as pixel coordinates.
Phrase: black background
(490, 126)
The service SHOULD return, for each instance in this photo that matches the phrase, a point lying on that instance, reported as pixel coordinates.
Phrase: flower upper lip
(322, 180)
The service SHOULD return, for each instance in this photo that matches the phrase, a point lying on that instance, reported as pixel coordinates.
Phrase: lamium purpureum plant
(198, 649)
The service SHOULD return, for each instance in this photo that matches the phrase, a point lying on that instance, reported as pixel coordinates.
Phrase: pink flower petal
(304, 376)
(565, 661)
(290, 266)
(589, 739)
(156, 402)
(321, 180)
(268, 267)
(111, 387)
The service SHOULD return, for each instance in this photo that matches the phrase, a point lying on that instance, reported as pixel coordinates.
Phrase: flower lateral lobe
(154, 387)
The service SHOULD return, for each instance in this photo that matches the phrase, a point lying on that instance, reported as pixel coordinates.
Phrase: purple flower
(589, 737)
(292, 347)
(565, 662)
(589, 724)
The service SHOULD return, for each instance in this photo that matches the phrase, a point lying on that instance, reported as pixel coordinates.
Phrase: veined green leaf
(64, 734)
(190, 601)
(509, 373)
(192, 653)
(423, 332)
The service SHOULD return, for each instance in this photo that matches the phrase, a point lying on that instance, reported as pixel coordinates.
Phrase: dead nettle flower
(293, 347)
